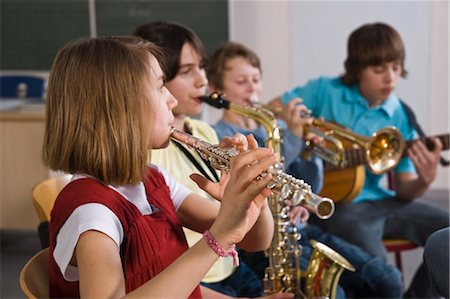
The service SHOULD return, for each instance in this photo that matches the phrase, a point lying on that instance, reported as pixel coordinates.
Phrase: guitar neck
(444, 138)
(353, 156)
(357, 156)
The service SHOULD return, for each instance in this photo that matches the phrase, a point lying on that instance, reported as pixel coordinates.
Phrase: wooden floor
(18, 246)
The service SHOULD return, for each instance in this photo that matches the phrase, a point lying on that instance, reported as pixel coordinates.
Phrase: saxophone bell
(324, 270)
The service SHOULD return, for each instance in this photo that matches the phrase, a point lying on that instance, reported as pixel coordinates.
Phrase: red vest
(157, 238)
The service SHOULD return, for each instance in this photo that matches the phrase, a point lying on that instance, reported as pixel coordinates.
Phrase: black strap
(413, 121)
(195, 162)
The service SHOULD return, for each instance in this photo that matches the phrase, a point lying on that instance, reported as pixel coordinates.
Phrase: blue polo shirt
(331, 99)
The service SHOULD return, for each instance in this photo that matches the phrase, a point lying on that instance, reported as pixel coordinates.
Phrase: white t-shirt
(95, 216)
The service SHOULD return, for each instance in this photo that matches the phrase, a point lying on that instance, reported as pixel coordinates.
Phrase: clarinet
(292, 191)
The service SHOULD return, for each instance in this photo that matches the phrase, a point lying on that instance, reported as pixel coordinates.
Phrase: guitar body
(343, 185)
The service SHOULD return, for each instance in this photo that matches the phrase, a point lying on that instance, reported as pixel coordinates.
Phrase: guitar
(343, 184)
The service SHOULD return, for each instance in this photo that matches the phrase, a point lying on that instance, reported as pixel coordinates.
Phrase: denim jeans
(367, 223)
(435, 256)
(242, 283)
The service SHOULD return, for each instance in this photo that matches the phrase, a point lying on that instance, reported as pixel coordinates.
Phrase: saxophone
(284, 273)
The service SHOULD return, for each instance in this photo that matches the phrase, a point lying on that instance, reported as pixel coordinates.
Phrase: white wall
(300, 40)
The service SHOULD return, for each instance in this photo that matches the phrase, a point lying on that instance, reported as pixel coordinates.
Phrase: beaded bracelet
(220, 250)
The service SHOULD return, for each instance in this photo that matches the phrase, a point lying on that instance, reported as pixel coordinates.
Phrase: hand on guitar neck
(430, 143)
(426, 156)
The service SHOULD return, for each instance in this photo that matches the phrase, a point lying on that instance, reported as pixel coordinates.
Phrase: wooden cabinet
(21, 136)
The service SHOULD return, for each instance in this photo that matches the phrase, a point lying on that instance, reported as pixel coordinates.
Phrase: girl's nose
(172, 101)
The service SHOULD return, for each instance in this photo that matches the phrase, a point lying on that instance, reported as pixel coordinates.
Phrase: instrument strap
(413, 121)
(195, 161)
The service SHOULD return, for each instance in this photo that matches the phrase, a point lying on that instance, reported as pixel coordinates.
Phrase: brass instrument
(261, 115)
(292, 191)
(324, 270)
(284, 273)
(382, 150)
(331, 148)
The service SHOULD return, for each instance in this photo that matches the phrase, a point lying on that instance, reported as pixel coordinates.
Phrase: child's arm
(101, 274)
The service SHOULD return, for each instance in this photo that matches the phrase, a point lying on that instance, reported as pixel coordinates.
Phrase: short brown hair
(227, 51)
(371, 45)
(98, 109)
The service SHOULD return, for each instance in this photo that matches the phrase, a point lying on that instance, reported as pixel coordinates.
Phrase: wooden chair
(44, 195)
(33, 278)
(396, 246)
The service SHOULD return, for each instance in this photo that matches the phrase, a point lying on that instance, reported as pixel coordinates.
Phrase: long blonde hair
(98, 111)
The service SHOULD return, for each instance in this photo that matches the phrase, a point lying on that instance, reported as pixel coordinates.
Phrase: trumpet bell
(384, 150)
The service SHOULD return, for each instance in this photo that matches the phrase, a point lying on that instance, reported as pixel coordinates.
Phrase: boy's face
(241, 81)
(189, 83)
(376, 83)
(162, 105)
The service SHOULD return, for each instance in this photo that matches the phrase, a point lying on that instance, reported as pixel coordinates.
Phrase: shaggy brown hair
(372, 45)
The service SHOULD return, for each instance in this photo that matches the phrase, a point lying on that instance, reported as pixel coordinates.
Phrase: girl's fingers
(206, 185)
(252, 143)
(251, 157)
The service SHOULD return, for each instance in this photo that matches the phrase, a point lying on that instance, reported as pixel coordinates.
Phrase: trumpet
(292, 191)
(381, 151)
(331, 149)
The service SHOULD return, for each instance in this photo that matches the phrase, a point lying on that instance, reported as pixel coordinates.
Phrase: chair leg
(398, 263)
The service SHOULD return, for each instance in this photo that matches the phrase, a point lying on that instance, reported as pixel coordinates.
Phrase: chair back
(33, 278)
(45, 193)
(22, 86)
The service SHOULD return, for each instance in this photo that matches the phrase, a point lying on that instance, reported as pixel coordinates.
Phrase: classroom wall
(300, 40)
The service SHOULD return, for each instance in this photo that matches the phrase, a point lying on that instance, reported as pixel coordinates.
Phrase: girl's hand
(241, 144)
(244, 196)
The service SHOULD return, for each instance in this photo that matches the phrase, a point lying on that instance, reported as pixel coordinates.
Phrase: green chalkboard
(32, 31)
(208, 18)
